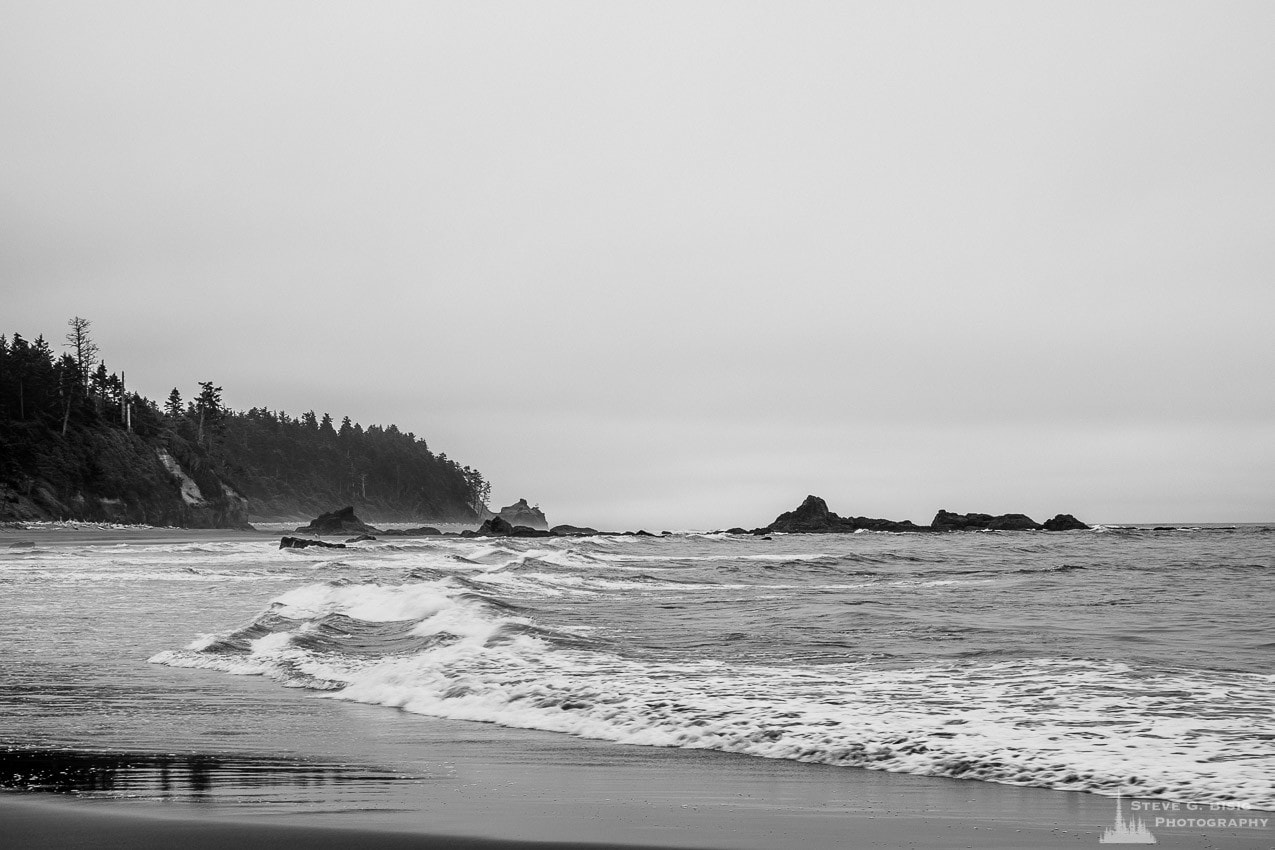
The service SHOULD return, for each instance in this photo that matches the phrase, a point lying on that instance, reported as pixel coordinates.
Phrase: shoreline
(485, 786)
(42, 823)
(490, 784)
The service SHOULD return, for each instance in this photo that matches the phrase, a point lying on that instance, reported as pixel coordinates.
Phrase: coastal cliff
(76, 444)
(111, 475)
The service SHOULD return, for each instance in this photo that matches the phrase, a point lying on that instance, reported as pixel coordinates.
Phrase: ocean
(1120, 660)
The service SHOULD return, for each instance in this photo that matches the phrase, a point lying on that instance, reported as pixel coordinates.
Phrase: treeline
(67, 423)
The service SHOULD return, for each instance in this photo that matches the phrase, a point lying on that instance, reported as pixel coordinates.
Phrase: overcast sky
(679, 264)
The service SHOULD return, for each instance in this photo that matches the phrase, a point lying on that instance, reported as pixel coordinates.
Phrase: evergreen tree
(173, 407)
(282, 463)
(83, 349)
(97, 385)
(208, 411)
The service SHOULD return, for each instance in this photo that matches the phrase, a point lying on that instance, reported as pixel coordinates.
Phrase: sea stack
(813, 517)
(521, 513)
(342, 521)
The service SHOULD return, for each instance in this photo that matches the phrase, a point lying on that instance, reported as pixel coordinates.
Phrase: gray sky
(679, 264)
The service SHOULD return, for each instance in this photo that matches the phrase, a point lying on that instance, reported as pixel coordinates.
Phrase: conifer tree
(208, 409)
(173, 407)
(83, 349)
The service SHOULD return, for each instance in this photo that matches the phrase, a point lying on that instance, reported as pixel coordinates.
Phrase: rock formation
(573, 531)
(520, 513)
(495, 527)
(422, 531)
(342, 521)
(1065, 522)
(305, 543)
(948, 521)
(499, 527)
(813, 517)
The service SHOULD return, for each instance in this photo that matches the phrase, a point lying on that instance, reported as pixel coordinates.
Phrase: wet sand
(489, 784)
(53, 824)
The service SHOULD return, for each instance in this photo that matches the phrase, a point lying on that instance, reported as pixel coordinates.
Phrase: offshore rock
(342, 521)
(813, 517)
(528, 531)
(1065, 522)
(494, 527)
(500, 527)
(573, 531)
(521, 513)
(305, 543)
(948, 521)
(422, 531)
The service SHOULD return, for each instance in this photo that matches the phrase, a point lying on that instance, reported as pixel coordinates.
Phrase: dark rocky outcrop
(521, 513)
(306, 542)
(813, 517)
(500, 527)
(422, 531)
(362, 538)
(1065, 522)
(573, 531)
(341, 521)
(526, 531)
(948, 521)
(495, 527)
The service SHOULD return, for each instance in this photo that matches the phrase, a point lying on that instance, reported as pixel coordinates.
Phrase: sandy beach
(511, 788)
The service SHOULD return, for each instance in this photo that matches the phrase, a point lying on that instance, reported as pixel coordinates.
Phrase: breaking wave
(454, 639)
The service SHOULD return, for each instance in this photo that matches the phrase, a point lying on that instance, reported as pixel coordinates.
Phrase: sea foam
(440, 648)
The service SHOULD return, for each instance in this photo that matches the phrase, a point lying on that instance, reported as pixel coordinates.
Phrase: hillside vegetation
(76, 443)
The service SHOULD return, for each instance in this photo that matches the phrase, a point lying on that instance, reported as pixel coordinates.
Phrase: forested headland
(77, 443)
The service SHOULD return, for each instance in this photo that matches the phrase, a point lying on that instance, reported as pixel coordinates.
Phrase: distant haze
(677, 265)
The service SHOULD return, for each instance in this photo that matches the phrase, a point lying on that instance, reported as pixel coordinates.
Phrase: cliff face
(110, 475)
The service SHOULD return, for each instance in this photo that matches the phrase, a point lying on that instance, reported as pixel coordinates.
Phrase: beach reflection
(192, 777)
